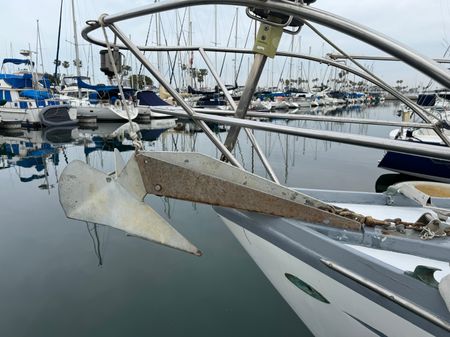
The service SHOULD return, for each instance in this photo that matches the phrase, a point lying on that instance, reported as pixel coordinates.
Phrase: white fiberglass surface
(405, 262)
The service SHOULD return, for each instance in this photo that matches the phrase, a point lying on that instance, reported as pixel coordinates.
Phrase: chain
(422, 225)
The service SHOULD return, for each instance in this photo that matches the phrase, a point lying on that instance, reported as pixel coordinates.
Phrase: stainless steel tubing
(250, 135)
(432, 151)
(138, 54)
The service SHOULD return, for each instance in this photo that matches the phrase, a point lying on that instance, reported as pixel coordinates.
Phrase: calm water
(62, 277)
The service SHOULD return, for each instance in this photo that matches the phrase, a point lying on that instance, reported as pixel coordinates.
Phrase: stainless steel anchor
(116, 199)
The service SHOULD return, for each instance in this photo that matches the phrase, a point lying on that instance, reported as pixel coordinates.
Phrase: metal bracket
(199, 178)
(275, 20)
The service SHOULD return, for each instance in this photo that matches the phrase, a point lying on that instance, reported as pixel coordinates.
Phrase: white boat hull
(26, 116)
(347, 314)
(146, 110)
(108, 112)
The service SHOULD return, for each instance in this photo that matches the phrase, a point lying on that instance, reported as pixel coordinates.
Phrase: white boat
(348, 263)
(146, 99)
(88, 101)
(260, 105)
(25, 98)
(435, 109)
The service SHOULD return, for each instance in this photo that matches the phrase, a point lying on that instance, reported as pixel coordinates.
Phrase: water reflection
(31, 153)
(138, 283)
(96, 243)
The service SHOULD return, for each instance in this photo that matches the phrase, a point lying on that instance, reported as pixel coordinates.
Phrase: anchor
(117, 199)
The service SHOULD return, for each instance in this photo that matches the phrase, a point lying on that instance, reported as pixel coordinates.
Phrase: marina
(183, 195)
(227, 290)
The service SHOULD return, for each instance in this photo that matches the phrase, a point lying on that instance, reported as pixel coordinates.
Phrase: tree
(126, 69)
(193, 74)
(77, 63)
(140, 81)
(201, 74)
(66, 65)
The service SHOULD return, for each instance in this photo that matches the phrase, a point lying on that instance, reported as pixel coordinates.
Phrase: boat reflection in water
(31, 153)
(34, 152)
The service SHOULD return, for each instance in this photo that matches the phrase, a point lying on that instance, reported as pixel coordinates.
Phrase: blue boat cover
(18, 81)
(105, 91)
(426, 99)
(16, 61)
(45, 82)
(35, 94)
(149, 98)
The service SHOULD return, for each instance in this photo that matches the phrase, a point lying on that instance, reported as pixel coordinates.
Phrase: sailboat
(103, 102)
(25, 97)
(349, 264)
(437, 107)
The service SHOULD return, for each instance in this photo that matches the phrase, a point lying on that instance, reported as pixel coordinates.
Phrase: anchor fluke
(90, 195)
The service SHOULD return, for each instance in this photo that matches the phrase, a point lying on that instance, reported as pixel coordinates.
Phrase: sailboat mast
(158, 39)
(92, 64)
(39, 54)
(290, 63)
(77, 51)
(191, 54)
(57, 62)
(235, 44)
(215, 35)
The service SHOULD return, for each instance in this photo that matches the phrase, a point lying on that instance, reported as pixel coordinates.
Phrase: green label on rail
(267, 40)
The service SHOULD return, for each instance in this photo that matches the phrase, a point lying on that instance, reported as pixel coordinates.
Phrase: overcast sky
(421, 25)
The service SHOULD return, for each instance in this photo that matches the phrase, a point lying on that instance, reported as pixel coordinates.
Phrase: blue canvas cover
(45, 82)
(426, 99)
(149, 98)
(35, 94)
(16, 61)
(106, 91)
(18, 81)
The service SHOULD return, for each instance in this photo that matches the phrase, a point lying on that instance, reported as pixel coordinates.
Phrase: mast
(57, 61)
(191, 54)
(77, 51)
(309, 70)
(158, 39)
(235, 44)
(39, 53)
(37, 49)
(215, 35)
(290, 63)
(92, 64)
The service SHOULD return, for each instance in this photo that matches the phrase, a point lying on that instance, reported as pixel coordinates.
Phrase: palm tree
(66, 65)
(201, 74)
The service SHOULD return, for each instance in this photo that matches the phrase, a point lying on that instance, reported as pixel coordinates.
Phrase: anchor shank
(199, 178)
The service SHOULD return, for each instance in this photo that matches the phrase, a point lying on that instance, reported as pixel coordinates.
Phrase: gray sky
(422, 25)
